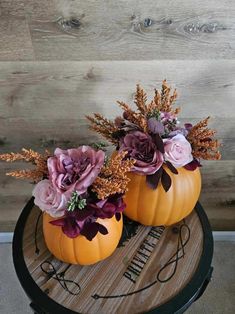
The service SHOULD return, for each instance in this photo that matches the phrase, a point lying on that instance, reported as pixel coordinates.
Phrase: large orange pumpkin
(157, 207)
(79, 250)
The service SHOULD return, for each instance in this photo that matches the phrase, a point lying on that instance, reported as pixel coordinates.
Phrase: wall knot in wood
(195, 28)
(69, 23)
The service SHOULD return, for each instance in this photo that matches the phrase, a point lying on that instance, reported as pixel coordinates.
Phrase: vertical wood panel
(42, 103)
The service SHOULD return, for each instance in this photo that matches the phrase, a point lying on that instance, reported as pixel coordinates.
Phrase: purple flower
(178, 130)
(107, 208)
(74, 169)
(188, 126)
(71, 224)
(155, 126)
(141, 147)
(74, 224)
(84, 222)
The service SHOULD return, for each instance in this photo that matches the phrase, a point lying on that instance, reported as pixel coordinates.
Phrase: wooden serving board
(150, 266)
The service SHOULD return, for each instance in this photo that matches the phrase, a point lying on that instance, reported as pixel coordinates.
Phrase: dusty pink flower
(141, 147)
(75, 169)
(48, 199)
(178, 151)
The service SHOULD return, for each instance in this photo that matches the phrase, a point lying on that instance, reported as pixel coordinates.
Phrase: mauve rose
(178, 151)
(140, 146)
(48, 199)
(75, 169)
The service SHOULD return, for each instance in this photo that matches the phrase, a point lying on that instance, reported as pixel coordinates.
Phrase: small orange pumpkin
(157, 207)
(79, 250)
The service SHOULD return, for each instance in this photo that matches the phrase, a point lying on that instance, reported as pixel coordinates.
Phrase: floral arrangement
(77, 186)
(153, 137)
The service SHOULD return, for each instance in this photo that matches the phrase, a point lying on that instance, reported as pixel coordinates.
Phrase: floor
(219, 298)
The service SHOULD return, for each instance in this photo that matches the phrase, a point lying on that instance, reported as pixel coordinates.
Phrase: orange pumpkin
(157, 207)
(79, 250)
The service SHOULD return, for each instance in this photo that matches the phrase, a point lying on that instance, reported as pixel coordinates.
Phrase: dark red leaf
(153, 179)
(166, 180)
(193, 165)
(171, 167)
(102, 229)
(58, 222)
(158, 142)
(90, 230)
(118, 216)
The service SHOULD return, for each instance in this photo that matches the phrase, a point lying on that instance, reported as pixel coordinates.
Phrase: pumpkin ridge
(177, 192)
(190, 181)
(59, 244)
(99, 249)
(156, 201)
(170, 199)
(170, 203)
(74, 251)
(139, 196)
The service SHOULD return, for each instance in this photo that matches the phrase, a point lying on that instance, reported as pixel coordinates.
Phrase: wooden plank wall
(62, 59)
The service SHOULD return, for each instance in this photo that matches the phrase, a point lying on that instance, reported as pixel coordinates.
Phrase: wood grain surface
(43, 106)
(50, 99)
(132, 267)
(123, 30)
(62, 59)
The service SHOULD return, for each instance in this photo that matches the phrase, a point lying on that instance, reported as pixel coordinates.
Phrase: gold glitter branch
(103, 126)
(136, 118)
(203, 144)
(140, 100)
(40, 161)
(113, 178)
(164, 101)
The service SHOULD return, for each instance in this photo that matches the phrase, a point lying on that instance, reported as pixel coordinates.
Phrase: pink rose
(74, 169)
(48, 199)
(178, 151)
(141, 147)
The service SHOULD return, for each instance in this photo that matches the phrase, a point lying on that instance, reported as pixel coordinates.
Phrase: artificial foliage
(150, 133)
(77, 187)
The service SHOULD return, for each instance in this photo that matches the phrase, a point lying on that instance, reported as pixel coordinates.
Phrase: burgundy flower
(79, 222)
(84, 222)
(74, 169)
(141, 147)
(109, 207)
(71, 224)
